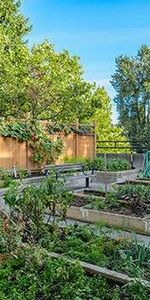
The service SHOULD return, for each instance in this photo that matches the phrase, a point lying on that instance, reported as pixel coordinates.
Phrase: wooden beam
(111, 275)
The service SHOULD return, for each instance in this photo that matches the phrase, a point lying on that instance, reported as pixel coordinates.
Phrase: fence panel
(14, 153)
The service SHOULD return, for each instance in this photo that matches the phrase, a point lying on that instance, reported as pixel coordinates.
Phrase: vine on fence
(37, 134)
(43, 148)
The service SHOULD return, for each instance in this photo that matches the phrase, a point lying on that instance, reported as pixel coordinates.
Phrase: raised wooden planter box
(112, 177)
(129, 223)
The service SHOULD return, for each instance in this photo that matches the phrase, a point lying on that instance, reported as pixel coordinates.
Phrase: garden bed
(27, 242)
(36, 274)
(144, 181)
(114, 177)
(128, 223)
(127, 208)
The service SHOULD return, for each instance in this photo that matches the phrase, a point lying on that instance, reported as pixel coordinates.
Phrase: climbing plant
(43, 148)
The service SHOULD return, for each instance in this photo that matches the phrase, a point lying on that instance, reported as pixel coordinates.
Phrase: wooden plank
(111, 275)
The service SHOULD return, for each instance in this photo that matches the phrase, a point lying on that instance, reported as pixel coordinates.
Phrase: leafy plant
(29, 204)
(5, 178)
(43, 148)
(137, 197)
(113, 164)
(137, 191)
(117, 164)
(31, 274)
(10, 237)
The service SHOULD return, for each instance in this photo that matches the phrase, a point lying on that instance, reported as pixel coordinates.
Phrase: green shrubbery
(5, 178)
(33, 275)
(27, 272)
(98, 163)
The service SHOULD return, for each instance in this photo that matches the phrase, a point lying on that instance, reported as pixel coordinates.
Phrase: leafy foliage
(5, 178)
(98, 163)
(105, 130)
(131, 82)
(113, 164)
(29, 204)
(43, 148)
(13, 58)
(137, 197)
(34, 275)
(139, 191)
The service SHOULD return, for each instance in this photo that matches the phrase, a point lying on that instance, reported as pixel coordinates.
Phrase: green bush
(5, 178)
(117, 164)
(113, 164)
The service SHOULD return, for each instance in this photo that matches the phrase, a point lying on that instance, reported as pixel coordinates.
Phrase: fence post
(105, 159)
(27, 155)
(95, 145)
(76, 139)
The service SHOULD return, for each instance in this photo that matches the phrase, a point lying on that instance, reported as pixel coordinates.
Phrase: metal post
(87, 182)
(14, 172)
(131, 160)
(105, 159)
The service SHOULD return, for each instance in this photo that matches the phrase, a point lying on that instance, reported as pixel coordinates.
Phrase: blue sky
(96, 30)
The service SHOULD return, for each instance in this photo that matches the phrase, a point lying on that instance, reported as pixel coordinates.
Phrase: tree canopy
(132, 84)
(13, 53)
(40, 83)
(105, 130)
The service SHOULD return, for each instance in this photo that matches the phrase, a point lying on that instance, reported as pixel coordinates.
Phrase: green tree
(132, 84)
(101, 109)
(13, 53)
(56, 89)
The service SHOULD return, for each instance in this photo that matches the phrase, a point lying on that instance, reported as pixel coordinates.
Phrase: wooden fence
(15, 153)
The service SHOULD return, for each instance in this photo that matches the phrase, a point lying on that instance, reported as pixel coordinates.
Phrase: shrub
(117, 164)
(31, 274)
(114, 164)
(5, 178)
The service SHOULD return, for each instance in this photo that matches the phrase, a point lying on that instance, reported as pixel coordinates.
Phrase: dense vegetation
(132, 84)
(40, 83)
(33, 275)
(113, 164)
(27, 237)
(98, 163)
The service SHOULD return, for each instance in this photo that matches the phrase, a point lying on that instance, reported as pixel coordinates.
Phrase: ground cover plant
(86, 244)
(25, 233)
(125, 199)
(30, 274)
